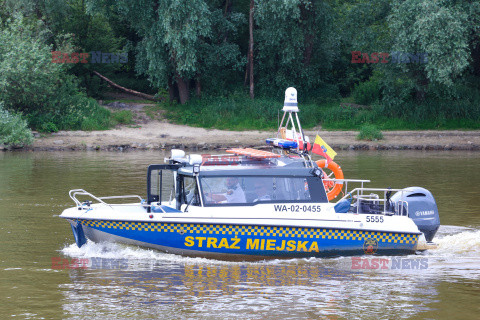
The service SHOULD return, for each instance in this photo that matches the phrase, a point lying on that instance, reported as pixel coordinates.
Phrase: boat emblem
(370, 246)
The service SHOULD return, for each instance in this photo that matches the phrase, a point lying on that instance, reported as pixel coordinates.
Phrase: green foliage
(123, 117)
(86, 30)
(366, 92)
(445, 30)
(42, 90)
(306, 44)
(221, 65)
(185, 23)
(186, 40)
(369, 132)
(202, 44)
(295, 46)
(48, 127)
(76, 113)
(436, 112)
(358, 26)
(129, 81)
(13, 129)
(436, 28)
(237, 112)
(28, 79)
(172, 36)
(347, 118)
(93, 32)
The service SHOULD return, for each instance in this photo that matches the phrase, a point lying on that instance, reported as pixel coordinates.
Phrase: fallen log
(130, 91)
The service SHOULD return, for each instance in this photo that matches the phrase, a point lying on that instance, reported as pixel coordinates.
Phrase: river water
(121, 282)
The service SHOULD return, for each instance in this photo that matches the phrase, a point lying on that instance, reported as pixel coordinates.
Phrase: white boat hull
(224, 236)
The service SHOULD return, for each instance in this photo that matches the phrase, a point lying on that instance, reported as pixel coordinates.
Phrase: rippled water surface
(123, 282)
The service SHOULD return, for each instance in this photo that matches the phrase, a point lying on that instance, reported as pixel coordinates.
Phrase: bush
(43, 91)
(457, 109)
(13, 129)
(48, 127)
(441, 108)
(123, 117)
(28, 78)
(367, 92)
(77, 113)
(369, 132)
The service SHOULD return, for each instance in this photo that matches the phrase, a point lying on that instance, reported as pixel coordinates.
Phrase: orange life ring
(332, 193)
(327, 183)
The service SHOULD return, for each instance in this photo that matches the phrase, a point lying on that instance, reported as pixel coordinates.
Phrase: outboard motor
(421, 208)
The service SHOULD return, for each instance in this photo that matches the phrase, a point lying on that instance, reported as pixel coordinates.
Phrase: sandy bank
(164, 135)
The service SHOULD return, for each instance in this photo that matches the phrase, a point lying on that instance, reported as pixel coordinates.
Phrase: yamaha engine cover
(421, 208)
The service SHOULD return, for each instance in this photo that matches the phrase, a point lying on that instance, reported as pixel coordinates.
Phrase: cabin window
(190, 193)
(161, 186)
(251, 190)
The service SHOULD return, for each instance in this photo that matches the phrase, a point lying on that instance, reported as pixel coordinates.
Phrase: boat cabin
(241, 185)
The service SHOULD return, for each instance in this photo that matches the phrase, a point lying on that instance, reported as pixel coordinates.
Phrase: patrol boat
(252, 204)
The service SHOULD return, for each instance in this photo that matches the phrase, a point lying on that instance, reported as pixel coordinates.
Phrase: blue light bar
(282, 143)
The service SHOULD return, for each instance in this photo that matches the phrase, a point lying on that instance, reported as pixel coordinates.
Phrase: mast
(292, 130)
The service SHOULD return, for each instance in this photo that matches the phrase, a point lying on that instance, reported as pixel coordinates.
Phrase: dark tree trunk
(226, 12)
(198, 87)
(228, 6)
(250, 48)
(307, 55)
(172, 92)
(246, 72)
(476, 55)
(183, 91)
(422, 87)
(308, 16)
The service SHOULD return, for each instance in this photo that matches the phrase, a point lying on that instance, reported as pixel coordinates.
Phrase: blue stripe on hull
(268, 241)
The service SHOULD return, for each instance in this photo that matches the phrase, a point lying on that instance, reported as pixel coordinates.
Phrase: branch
(130, 91)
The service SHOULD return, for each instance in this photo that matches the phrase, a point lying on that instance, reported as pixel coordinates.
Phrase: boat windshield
(190, 191)
(251, 190)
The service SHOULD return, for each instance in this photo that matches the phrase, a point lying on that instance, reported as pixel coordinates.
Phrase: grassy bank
(238, 112)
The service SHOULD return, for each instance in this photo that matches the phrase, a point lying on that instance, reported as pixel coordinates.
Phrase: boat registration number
(378, 219)
(297, 208)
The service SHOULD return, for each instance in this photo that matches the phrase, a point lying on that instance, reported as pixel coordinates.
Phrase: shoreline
(162, 135)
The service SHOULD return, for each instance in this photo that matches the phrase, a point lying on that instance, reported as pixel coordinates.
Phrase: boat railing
(347, 181)
(377, 201)
(81, 205)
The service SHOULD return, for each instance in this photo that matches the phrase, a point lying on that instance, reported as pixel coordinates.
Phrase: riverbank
(155, 134)
(150, 130)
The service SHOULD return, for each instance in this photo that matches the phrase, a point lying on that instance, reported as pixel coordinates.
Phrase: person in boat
(261, 189)
(234, 193)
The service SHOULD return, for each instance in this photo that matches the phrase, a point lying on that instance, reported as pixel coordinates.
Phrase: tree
(44, 91)
(437, 28)
(28, 78)
(85, 32)
(294, 45)
(358, 26)
(177, 41)
(250, 47)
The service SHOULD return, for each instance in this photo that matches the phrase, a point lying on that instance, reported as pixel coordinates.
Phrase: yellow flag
(325, 148)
